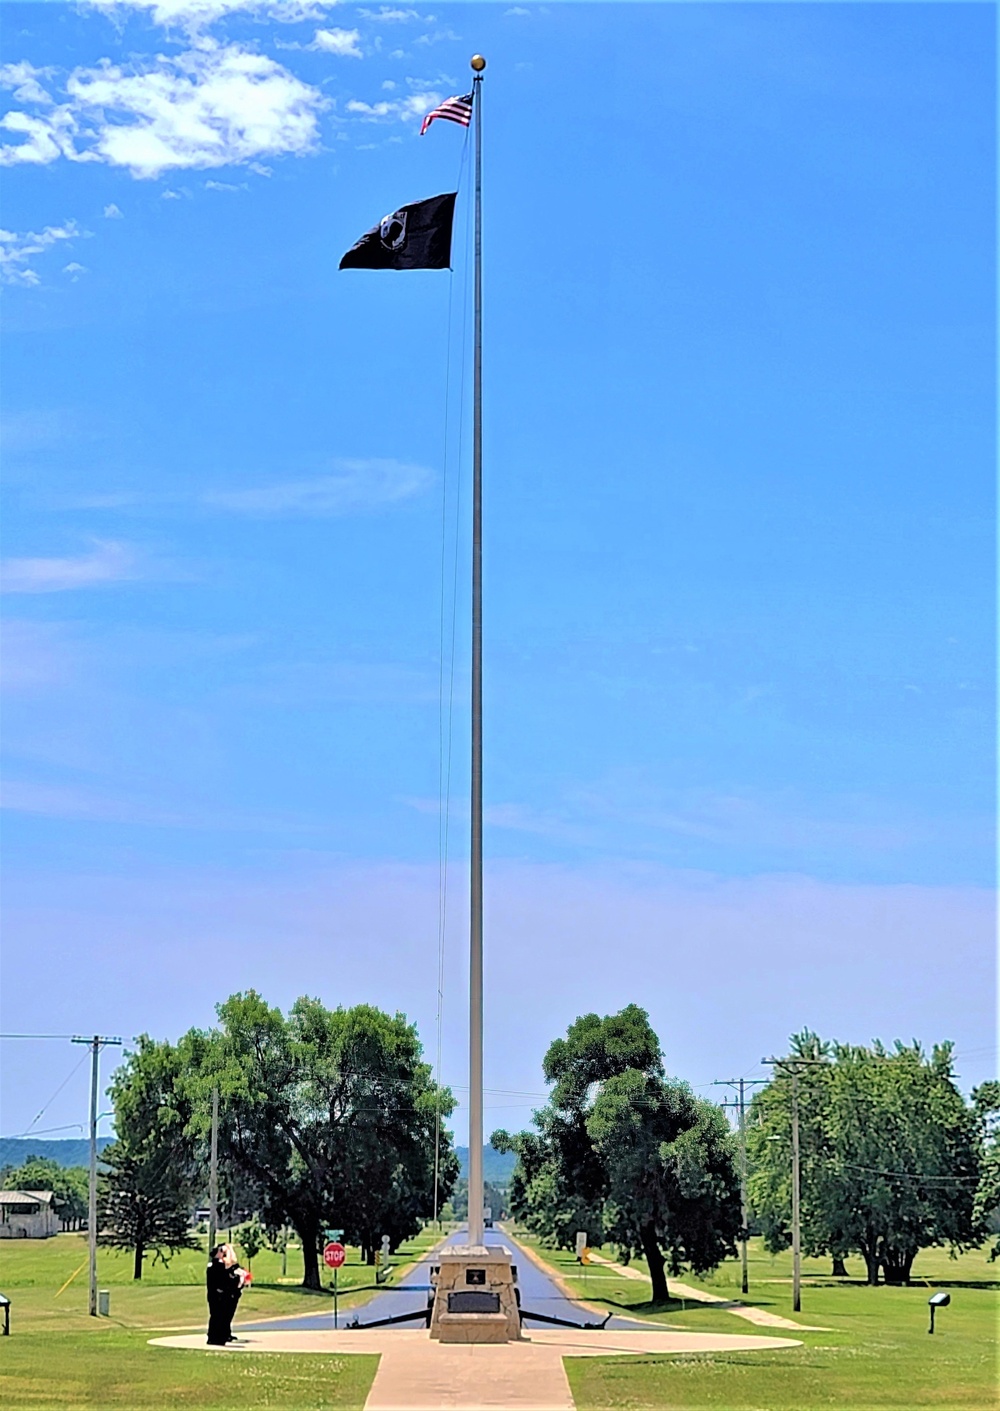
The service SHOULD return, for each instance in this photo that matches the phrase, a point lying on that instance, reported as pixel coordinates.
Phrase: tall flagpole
(476, 927)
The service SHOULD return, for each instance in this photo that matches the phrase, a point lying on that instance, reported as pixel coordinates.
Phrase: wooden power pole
(741, 1084)
(98, 1042)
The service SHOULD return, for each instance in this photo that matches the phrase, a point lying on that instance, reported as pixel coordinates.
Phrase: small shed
(27, 1215)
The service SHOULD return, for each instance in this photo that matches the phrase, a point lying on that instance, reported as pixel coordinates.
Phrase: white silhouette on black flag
(417, 236)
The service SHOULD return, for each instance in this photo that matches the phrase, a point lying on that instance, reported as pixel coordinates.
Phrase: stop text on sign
(334, 1255)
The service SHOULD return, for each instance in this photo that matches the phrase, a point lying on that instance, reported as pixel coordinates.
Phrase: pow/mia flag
(417, 236)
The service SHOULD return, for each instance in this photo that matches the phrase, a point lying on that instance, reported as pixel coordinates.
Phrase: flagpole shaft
(476, 927)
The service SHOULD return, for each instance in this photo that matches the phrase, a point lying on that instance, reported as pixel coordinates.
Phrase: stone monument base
(474, 1297)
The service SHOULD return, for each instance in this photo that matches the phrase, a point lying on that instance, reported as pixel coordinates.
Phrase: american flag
(454, 109)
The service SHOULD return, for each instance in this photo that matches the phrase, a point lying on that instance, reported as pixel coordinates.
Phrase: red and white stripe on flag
(454, 109)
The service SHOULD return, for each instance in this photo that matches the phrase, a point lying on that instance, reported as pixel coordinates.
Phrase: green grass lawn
(58, 1356)
(876, 1354)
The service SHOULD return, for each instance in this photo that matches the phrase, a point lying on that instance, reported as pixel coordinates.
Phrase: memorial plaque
(473, 1301)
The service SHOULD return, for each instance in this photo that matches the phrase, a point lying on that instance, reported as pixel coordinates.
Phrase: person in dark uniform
(222, 1280)
(239, 1279)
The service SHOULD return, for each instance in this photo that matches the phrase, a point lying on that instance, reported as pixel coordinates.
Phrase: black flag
(417, 236)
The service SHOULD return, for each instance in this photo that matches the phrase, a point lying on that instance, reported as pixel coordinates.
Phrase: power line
(48, 1104)
(741, 1084)
(911, 1175)
(69, 1037)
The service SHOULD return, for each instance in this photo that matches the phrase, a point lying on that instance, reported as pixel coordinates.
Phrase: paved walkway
(541, 1291)
(416, 1374)
(758, 1316)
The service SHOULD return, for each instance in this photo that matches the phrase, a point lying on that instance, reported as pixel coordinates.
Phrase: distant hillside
(497, 1166)
(14, 1151)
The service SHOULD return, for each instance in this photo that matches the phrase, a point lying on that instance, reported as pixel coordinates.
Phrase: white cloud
(209, 107)
(388, 15)
(344, 42)
(355, 486)
(403, 109)
(225, 186)
(170, 196)
(16, 250)
(23, 78)
(212, 106)
(109, 563)
(359, 485)
(74, 270)
(112, 212)
(46, 139)
(192, 15)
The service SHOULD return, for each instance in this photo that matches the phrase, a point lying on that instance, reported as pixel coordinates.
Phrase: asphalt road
(538, 1292)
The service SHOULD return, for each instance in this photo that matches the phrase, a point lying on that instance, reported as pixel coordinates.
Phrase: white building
(27, 1215)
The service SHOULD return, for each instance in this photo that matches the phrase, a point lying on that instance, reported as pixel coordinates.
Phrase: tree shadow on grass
(670, 1305)
(988, 1284)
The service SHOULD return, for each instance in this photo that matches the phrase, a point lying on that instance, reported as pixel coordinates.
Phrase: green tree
(890, 1155)
(673, 1187)
(68, 1184)
(329, 1115)
(252, 1238)
(624, 1153)
(986, 1207)
(151, 1179)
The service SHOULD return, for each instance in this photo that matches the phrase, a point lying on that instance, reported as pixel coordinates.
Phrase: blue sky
(739, 447)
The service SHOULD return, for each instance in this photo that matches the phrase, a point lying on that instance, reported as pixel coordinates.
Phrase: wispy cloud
(346, 43)
(417, 105)
(17, 250)
(109, 562)
(73, 803)
(196, 15)
(359, 485)
(354, 487)
(388, 14)
(23, 79)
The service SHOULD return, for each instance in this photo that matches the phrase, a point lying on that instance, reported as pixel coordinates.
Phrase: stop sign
(334, 1255)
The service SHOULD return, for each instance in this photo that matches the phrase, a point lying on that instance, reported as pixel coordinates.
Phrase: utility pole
(98, 1042)
(792, 1068)
(213, 1173)
(742, 1084)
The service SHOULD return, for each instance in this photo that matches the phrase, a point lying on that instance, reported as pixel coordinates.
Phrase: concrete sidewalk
(416, 1374)
(758, 1316)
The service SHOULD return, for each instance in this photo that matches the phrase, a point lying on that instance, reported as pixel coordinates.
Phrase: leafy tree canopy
(623, 1152)
(330, 1114)
(151, 1178)
(890, 1154)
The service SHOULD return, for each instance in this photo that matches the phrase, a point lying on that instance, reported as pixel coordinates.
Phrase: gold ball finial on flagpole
(477, 62)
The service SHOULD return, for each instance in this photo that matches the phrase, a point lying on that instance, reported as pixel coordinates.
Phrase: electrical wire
(58, 1090)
